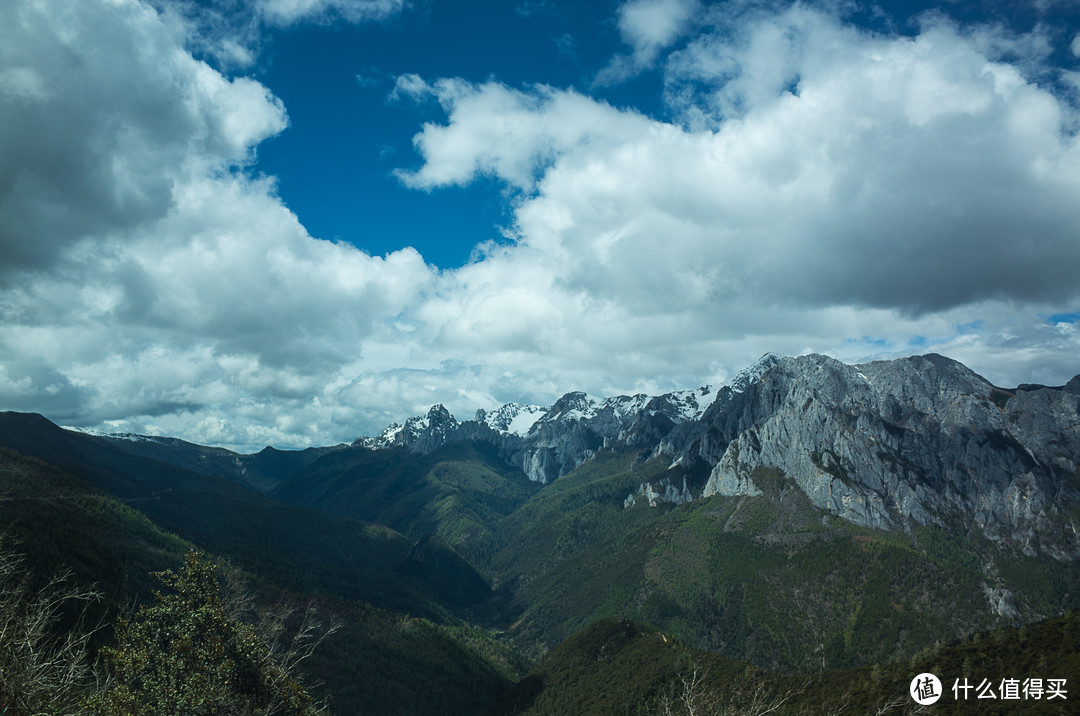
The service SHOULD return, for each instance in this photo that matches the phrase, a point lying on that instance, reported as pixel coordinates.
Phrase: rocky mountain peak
(574, 405)
(748, 376)
(914, 441)
(438, 415)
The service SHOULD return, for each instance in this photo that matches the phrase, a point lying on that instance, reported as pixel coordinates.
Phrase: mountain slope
(59, 523)
(386, 659)
(298, 548)
(457, 491)
(262, 470)
(768, 578)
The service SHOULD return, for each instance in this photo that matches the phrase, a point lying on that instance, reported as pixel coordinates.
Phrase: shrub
(193, 653)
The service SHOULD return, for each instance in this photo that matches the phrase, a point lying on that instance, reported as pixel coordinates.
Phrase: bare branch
(42, 669)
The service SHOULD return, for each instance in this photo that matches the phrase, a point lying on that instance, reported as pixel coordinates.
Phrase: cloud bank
(815, 187)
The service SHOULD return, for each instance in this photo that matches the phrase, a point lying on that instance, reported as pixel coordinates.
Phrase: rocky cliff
(915, 441)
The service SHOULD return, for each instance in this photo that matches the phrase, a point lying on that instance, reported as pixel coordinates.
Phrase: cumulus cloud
(88, 150)
(508, 134)
(840, 168)
(823, 182)
(648, 27)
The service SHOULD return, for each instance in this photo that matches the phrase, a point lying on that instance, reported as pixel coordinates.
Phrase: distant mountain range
(808, 515)
(888, 444)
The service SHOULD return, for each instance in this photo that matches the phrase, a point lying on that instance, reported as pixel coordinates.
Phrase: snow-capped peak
(512, 418)
(420, 430)
(387, 438)
(572, 406)
(752, 374)
(691, 404)
(624, 405)
(616, 417)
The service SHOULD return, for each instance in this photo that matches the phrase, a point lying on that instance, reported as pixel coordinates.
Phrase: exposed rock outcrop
(913, 441)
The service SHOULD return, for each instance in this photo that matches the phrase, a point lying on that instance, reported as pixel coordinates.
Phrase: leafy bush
(191, 653)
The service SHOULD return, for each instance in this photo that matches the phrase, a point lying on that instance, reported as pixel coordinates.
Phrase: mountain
(262, 470)
(300, 548)
(768, 578)
(806, 513)
(457, 491)
(546, 443)
(894, 444)
(887, 444)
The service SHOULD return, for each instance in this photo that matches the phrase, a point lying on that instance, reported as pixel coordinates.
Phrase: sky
(291, 222)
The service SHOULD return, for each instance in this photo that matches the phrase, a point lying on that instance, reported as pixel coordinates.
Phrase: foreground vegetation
(199, 650)
(618, 666)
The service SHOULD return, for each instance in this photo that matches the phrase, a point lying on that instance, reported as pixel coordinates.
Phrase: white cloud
(913, 174)
(505, 133)
(648, 26)
(89, 149)
(411, 86)
(147, 280)
(287, 12)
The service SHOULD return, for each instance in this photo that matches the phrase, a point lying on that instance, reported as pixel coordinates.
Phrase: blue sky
(290, 222)
(335, 163)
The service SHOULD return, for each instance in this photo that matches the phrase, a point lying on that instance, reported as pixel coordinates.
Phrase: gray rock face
(916, 441)
(661, 491)
(888, 444)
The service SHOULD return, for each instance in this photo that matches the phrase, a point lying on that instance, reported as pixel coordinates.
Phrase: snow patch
(131, 437)
(748, 376)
